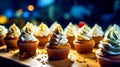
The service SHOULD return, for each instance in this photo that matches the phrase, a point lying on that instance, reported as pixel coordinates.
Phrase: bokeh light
(26, 14)
(8, 13)
(79, 12)
(43, 3)
(3, 19)
(30, 7)
(19, 13)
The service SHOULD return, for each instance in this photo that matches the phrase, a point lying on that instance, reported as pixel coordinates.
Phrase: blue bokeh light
(80, 11)
(8, 13)
(43, 3)
(26, 14)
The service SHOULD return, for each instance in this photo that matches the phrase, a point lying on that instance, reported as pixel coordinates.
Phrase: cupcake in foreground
(109, 53)
(83, 40)
(70, 34)
(42, 34)
(3, 32)
(27, 42)
(12, 37)
(57, 47)
(97, 34)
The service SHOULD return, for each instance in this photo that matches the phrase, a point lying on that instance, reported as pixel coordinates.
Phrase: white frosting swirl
(42, 30)
(3, 30)
(53, 26)
(27, 33)
(97, 31)
(111, 41)
(70, 30)
(13, 31)
(84, 33)
(58, 37)
(31, 25)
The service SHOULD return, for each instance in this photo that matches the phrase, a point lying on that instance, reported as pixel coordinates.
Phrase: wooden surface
(41, 59)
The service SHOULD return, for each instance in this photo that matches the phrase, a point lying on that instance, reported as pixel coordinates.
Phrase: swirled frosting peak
(13, 31)
(3, 30)
(58, 37)
(96, 31)
(27, 33)
(53, 26)
(70, 30)
(84, 33)
(43, 30)
(31, 25)
(111, 42)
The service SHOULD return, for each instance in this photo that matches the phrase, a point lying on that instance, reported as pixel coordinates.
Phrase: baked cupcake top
(43, 30)
(111, 42)
(97, 31)
(3, 30)
(58, 37)
(13, 31)
(70, 30)
(83, 33)
(27, 33)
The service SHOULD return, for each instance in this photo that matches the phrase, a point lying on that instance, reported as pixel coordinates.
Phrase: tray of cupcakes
(41, 46)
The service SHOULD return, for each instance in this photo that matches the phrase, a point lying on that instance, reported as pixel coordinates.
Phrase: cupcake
(27, 42)
(108, 53)
(3, 32)
(97, 34)
(12, 37)
(83, 40)
(42, 34)
(70, 34)
(57, 47)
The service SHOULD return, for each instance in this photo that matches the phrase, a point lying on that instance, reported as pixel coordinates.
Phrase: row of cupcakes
(31, 36)
(27, 43)
(72, 32)
(58, 48)
(43, 32)
(23, 39)
(108, 54)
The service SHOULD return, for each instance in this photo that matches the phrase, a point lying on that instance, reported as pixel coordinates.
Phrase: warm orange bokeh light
(3, 19)
(30, 7)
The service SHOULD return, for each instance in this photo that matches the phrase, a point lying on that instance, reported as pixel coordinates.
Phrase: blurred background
(102, 12)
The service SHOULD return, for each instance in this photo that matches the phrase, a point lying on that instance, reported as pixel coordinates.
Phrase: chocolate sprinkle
(84, 61)
(79, 61)
(38, 59)
(88, 65)
(43, 62)
(45, 56)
